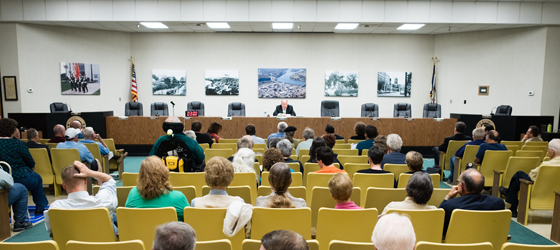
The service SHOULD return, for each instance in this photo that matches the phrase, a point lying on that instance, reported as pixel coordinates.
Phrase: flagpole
(433, 91)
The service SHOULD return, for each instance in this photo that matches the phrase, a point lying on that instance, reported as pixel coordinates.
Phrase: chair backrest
(345, 224)
(528, 153)
(129, 179)
(223, 145)
(297, 192)
(209, 223)
(468, 157)
(438, 195)
(364, 181)
(543, 149)
(43, 164)
(514, 246)
(120, 245)
(131, 227)
(542, 192)
(133, 109)
(223, 244)
(493, 160)
(38, 245)
(396, 169)
(343, 159)
(59, 107)
(329, 108)
(432, 110)
(316, 180)
(380, 197)
(246, 179)
(513, 148)
(242, 191)
(304, 158)
(62, 158)
(472, 226)
(211, 152)
(204, 146)
(342, 146)
(345, 152)
(188, 179)
(516, 163)
(321, 197)
(452, 148)
(250, 244)
(537, 143)
(269, 219)
(297, 179)
(94, 150)
(352, 168)
(503, 110)
(428, 224)
(222, 140)
(423, 245)
(303, 152)
(348, 245)
(188, 191)
(236, 109)
(159, 109)
(402, 109)
(64, 226)
(122, 194)
(370, 110)
(196, 106)
(294, 166)
(404, 178)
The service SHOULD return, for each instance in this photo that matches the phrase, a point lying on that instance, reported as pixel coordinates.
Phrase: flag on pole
(134, 88)
(433, 91)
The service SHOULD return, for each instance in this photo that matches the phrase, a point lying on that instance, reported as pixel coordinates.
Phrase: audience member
(317, 143)
(280, 179)
(371, 133)
(341, 188)
(72, 142)
(219, 174)
(330, 140)
(271, 157)
(250, 130)
(419, 191)
(154, 189)
(360, 130)
(325, 158)
(191, 134)
(17, 155)
(414, 161)
(174, 235)
(280, 134)
(243, 142)
(214, 130)
(77, 125)
(243, 162)
(375, 156)
(487, 128)
(532, 134)
(394, 156)
(458, 136)
(286, 148)
(33, 141)
(381, 142)
(17, 199)
(16, 135)
(196, 126)
(330, 130)
(90, 136)
(59, 132)
(272, 142)
(290, 131)
(308, 135)
(283, 240)
(478, 136)
(471, 183)
(394, 232)
(492, 142)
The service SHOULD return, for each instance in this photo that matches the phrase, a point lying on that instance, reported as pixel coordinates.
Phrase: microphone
(172, 103)
(492, 111)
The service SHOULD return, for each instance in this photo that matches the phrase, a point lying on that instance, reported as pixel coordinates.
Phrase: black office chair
(133, 109)
(196, 106)
(370, 110)
(236, 109)
(329, 108)
(503, 110)
(402, 109)
(432, 110)
(59, 107)
(159, 109)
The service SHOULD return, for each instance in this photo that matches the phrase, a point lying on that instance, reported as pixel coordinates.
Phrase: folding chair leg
(5, 230)
(496, 184)
(555, 230)
(523, 206)
(121, 169)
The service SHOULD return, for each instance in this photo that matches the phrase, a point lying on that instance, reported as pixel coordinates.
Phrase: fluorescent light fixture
(218, 25)
(411, 26)
(282, 26)
(154, 25)
(346, 26)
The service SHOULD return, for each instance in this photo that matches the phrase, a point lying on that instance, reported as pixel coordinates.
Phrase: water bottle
(265, 113)
(549, 128)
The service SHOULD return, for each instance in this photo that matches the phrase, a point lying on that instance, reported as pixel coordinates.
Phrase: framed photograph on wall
(10, 88)
(282, 82)
(394, 84)
(341, 83)
(222, 82)
(80, 79)
(169, 82)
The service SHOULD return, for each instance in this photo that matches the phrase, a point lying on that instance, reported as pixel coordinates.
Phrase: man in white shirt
(74, 182)
(308, 134)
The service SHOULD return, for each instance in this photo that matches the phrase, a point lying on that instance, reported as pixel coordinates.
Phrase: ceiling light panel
(218, 25)
(154, 25)
(410, 26)
(282, 26)
(346, 26)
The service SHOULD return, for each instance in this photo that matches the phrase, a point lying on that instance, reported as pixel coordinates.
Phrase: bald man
(491, 142)
(59, 132)
(284, 108)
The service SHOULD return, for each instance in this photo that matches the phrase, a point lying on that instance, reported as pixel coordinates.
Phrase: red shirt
(330, 170)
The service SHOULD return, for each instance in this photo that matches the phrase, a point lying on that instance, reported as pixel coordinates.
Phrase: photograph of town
(222, 82)
(80, 79)
(282, 83)
(394, 84)
(341, 83)
(169, 82)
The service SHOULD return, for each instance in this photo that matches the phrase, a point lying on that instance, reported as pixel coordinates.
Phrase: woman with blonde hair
(280, 178)
(219, 174)
(154, 189)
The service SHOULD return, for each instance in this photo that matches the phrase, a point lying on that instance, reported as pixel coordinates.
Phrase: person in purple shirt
(341, 187)
(478, 136)
(491, 143)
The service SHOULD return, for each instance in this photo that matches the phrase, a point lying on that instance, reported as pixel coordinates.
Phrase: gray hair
(554, 145)
(243, 161)
(394, 142)
(245, 142)
(478, 133)
(282, 126)
(31, 133)
(88, 132)
(308, 133)
(273, 141)
(285, 147)
(392, 232)
(175, 235)
(172, 119)
(420, 187)
(191, 134)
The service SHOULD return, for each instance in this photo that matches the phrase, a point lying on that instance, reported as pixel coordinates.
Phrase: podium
(45, 122)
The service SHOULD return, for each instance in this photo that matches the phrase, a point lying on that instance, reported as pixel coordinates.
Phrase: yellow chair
(188, 191)
(43, 141)
(303, 152)
(515, 164)
(269, 219)
(232, 146)
(293, 151)
(546, 159)
(304, 158)
(188, 179)
(380, 197)
(62, 158)
(493, 160)
(121, 245)
(122, 194)
(342, 146)
(468, 157)
(438, 195)
(297, 192)
(294, 157)
(296, 179)
(345, 151)
(228, 141)
(543, 149)
(513, 148)
(540, 194)
(51, 145)
(259, 146)
(242, 191)
(529, 153)
(259, 159)
(340, 141)
(209, 223)
(347, 245)
(38, 245)
(310, 168)
(537, 143)
(212, 152)
(294, 166)
(321, 197)
(352, 168)
(130, 179)
(141, 223)
(514, 246)
(345, 224)
(246, 179)
(452, 148)
(364, 181)
(404, 178)
(344, 159)
(423, 245)
(113, 164)
(257, 168)
(256, 244)
(316, 180)
(470, 226)
(204, 146)
(428, 224)
(223, 244)
(94, 150)
(514, 143)
(64, 226)
(43, 167)
(352, 141)
(396, 169)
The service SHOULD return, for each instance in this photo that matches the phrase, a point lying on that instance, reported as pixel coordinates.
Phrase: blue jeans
(34, 183)
(452, 167)
(17, 198)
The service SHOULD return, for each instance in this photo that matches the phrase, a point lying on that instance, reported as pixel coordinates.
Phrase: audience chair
(396, 169)
(345, 224)
(294, 157)
(259, 150)
(402, 110)
(364, 181)
(432, 110)
(296, 179)
(344, 159)
(503, 110)
(59, 107)
(329, 108)
(234, 141)
(352, 168)
(159, 109)
(513, 148)
(514, 246)
(257, 169)
(470, 226)
(294, 166)
(129, 179)
(316, 180)
(122, 194)
(404, 178)
(438, 195)
(461, 163)
(223, 244)
(64, 226)
(321, 197)
(259, 159)
(370, 110)
(94, 150)
(242, 191)
(514, 164)
(354, 141)
(51, 145)
(269, 219)
(113, 164)
(209, 223)
(131, 227)
(196, 106)
(297, 192)
(60, 159)
(188, 179)
(543, 149)
(538, 195)
(342, 146)
(223, 145)
(120, 245)
(342, 152)
(515, 143)
(236, 109)
(537, 143)
(43, 167)
(259, 146)
(43, 141)
(346, 245)
(304, 158)
(529, 153)
(246, 179)
(38, 245)
(428, 224)
(493, 160)
(211, 152)
(133, 109)
(309, 167)
(256, 244)
(380, 197)
(423, 245)
(340, 141)
(204, 146)
(451, 150)
(188, 191)
(303, 152)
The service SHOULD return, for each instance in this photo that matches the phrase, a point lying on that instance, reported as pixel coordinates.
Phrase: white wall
(9, 65)
(551, 82)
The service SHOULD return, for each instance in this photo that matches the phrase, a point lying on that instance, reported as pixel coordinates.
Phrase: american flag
(433, 90)
(134, 89)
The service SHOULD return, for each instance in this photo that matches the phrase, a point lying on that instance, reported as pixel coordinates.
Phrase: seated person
(77, 125)
(219, 174)
(243, 161)
(381, 142)
(360, 130)
(280, 134)
(478, 139)
(419, 191)
(290, 131)
(375, 156)
(244, 142)
(341, 188)
(286, 148)
(90, 136)
(283, 240)
(330, 130)
(271, 156)
(325, 157)
(284, 109)
(280, 178)
(308, 135)
(394, 232)
(72, 142)
(371, 133)
(174, 235)
(154, 189)
(457, 136)
(330, 140)
(17, 199)
(213, 131)
(175, 143)
(59, 132)
(196, 126)
(33, 141)
(394, 156)
(532, 134)
(492, 142)
(251, 131)
(414, 161)
(317, 143)
(272, 142)
(191, 134)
